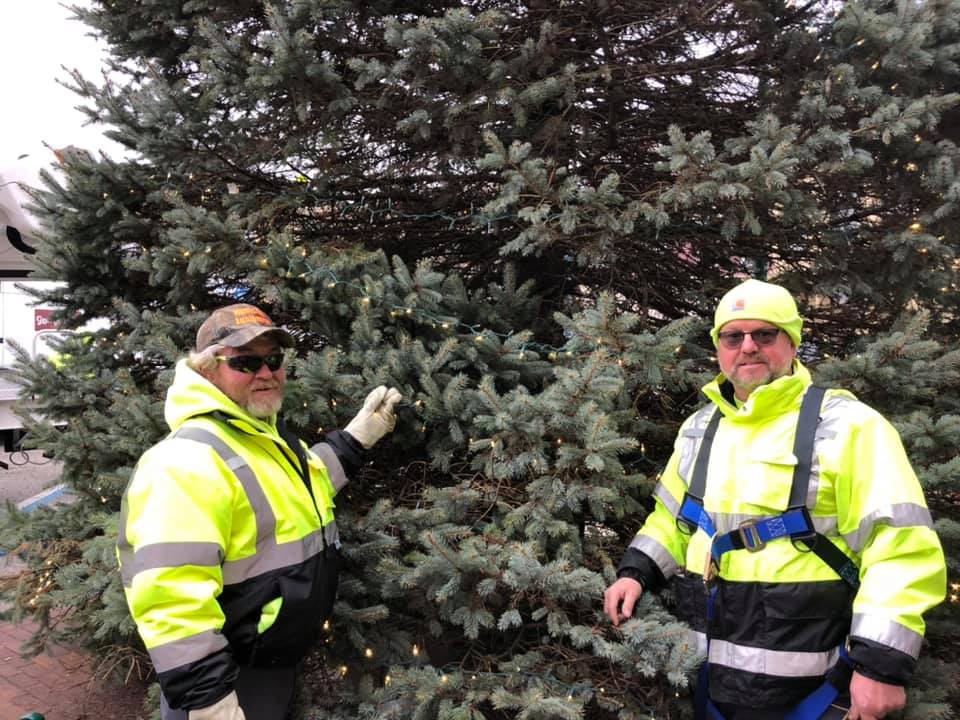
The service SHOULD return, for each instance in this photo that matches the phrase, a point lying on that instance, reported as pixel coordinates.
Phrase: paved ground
(58, 684)
(27, 474)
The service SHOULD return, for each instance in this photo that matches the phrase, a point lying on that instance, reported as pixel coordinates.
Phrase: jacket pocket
(808, 616)
(690, 600)
(766, 482)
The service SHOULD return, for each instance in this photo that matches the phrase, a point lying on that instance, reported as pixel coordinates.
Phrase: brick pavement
(54, 683)
(59, 682)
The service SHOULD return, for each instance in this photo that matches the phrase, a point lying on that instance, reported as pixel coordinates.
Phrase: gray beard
(263, 410)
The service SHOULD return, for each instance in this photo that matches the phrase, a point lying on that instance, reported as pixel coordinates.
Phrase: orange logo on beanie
(738, 304)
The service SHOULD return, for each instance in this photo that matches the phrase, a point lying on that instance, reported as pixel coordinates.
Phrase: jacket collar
(780, 396)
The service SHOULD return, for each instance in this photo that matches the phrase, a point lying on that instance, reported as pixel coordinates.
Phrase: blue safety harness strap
(816, 703)
(754, 535)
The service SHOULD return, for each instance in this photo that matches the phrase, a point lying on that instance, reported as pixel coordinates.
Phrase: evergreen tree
(519, 214)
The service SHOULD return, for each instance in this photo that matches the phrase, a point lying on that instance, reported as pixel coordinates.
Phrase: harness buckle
(804, 541)
(750, 536)
(710, 571)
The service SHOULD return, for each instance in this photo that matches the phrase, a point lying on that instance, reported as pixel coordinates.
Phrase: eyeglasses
(763, 337)
(252, 363)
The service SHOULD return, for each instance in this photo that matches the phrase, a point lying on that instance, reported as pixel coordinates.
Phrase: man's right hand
(226, 709)
(620, 599)
(872, 699)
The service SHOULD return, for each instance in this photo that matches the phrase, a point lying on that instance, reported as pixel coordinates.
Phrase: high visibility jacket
(227, 544)
(781, 613)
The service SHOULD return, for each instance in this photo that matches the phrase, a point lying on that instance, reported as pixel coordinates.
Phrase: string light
(570, 691)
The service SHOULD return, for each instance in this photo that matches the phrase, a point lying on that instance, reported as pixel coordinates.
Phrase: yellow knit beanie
(757, 300)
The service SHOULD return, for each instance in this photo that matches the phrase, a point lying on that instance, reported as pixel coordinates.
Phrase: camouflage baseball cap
(236, 325)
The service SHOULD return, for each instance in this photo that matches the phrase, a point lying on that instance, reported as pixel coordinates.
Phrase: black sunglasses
(734, 339)
(252, 363)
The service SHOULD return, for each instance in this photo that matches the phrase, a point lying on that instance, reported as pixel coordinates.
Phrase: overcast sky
(38, 38)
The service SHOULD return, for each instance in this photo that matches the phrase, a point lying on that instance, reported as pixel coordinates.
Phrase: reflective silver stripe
(338, 478)
(700, 640)
(332, 533)
(174, 554)
(897, 515)
(886, 632)
(692, 437)
(656, 552)
(271, 556)
(263, 514)
(781, 663)
(124, 548)
(663, 495)
(832, 415)
(186, 650)
(126, 563)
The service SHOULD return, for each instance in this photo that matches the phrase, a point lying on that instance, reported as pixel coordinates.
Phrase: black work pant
(264, 694)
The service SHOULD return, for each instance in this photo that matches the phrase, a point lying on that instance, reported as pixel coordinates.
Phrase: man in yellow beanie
(794, 533)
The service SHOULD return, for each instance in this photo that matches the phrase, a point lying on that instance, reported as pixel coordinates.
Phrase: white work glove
(226, 709)
(376, 418)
